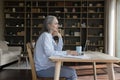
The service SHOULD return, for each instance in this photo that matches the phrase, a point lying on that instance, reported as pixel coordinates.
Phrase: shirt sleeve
(59, 46)
(49, 47)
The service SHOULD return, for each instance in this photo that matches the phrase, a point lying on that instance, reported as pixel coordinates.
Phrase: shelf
(72, 44)
(16, 18)
(95, 27)
(10, 12)
(72, 27)
(15, 44)
(72, 36)
(13, 27)
(96, 18)
(15, 35)
(14, 6)
(96, 45)
(84, 18)
(35, 35)
(95, 36)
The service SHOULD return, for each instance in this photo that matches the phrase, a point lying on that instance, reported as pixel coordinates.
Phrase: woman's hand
(56, 33)
(74, 53)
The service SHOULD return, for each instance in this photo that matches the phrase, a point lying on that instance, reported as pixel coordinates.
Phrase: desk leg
(94, 69)
(110, 70)
(57, 70)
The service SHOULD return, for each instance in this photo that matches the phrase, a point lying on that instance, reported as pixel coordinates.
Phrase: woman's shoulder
(45, 34)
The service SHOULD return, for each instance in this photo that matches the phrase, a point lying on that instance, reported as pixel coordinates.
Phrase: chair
(34, 75)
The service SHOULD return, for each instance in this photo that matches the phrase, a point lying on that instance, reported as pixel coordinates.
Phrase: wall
(110, 26)
(1, 21)
(118, 30)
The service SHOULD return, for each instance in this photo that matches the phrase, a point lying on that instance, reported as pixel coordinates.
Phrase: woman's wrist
(68, 52)
(59, 35)
(74, 53)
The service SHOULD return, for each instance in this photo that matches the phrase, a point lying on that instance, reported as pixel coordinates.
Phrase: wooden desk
(93, 57)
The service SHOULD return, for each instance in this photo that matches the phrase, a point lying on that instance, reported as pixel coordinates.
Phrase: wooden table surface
(92, 56)
(88, 57)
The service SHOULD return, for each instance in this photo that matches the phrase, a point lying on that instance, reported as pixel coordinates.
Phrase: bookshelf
(79, 20)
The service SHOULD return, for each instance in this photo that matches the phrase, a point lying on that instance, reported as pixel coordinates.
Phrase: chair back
(30, 55)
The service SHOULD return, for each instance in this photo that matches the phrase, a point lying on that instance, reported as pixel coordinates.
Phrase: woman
(46, 47)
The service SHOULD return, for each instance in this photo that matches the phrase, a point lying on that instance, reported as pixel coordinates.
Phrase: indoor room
(59, 39)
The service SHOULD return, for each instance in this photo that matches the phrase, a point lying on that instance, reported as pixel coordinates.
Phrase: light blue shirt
(46, 47)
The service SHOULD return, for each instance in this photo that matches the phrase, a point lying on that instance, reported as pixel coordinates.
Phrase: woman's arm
(59, 45)
(48, 46)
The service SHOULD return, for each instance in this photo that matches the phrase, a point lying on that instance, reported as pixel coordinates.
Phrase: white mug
(79, 49)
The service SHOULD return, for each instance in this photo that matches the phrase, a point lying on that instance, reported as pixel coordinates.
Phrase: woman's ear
(49, 27)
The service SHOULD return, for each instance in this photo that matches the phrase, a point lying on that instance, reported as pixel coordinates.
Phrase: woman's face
(54, 25)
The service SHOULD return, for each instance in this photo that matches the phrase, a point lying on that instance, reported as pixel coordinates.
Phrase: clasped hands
(73, 53)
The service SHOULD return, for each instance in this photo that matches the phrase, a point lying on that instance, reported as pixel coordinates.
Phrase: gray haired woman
(46, 47)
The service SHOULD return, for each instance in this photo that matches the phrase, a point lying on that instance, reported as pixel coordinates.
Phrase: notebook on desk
(79, 56)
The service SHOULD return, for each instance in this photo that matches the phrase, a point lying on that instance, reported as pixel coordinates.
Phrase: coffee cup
(79, 49)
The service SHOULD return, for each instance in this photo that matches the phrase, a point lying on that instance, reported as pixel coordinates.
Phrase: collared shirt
(46, 47)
